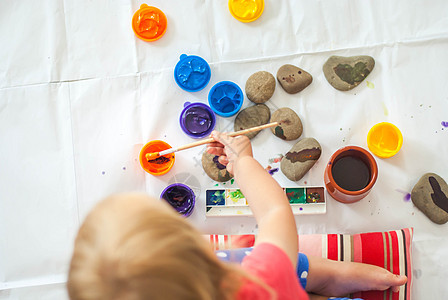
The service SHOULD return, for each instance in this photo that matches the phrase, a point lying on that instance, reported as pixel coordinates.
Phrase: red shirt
(271, 264)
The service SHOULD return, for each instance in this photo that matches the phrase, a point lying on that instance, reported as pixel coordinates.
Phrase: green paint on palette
(296, 195)
(232, 181)
(236, 195)
(216, 184)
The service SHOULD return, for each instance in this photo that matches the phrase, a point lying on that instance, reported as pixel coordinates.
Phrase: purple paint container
(180, 197)
(197, 119)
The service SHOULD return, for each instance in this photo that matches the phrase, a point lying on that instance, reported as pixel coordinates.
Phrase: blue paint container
(225, 98)
(192, 73)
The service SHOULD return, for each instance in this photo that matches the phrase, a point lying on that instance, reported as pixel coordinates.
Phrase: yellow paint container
(384, 140)
(246, 10)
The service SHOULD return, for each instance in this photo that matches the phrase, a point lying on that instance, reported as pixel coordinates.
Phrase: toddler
(133, 247)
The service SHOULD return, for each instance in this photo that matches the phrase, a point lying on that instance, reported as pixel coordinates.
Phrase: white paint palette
(231, 202)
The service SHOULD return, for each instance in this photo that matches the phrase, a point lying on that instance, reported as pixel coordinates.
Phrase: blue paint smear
(444, 124)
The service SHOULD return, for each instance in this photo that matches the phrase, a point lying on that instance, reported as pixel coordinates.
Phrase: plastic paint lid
(180, 197)
(192, 73)
(384, 140)
(160, 165)
(225, 98)
(197, 119)
(149, 23)
(246, 10)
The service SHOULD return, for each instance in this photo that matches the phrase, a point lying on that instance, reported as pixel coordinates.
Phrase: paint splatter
(273, 171)
(277, 159)
(444, 124)
(103, 172)
(304, 155)
(385, 110)
(124, 168)
(370, 85)
(406, 197)
(232, 181)
(216, 184)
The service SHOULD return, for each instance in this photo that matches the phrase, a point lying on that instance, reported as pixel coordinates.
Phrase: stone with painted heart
(289, 124)
(345, 73)
(430, 195)
(252, 116)
(214, 169)
(300, 159)
(293, 79)
(260, 87)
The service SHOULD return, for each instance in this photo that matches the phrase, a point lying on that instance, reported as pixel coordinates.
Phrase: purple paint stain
(103, 172)
(301, 208)
(272, 171)
(407, 196)
(444, 124)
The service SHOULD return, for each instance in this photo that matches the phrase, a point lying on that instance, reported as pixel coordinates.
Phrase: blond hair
(135, 247)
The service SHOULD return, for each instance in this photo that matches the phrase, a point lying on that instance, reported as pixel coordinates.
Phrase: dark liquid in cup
(351, 173)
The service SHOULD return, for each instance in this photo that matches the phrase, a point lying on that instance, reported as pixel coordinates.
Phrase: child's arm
(266, 198)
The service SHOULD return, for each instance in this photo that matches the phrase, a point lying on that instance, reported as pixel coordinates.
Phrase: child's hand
(229, 149)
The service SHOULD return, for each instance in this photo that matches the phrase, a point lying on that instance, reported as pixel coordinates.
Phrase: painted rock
(290, 126)
(214, 169)
(260, 87)
(345, 73)
(430, 195)
(252, 116)
(300, 159)
(293, 79)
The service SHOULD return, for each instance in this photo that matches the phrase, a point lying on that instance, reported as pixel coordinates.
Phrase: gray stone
(345, 73)
(214, 169)
(289, 127)
(430, 195)
(252, 116)
(293, 79)
(300, 159)
(260, 87)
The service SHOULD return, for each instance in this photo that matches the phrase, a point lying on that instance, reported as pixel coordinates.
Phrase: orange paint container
(160, 165)
(149, 23)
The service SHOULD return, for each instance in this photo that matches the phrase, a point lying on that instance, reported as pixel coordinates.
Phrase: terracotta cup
(361, 164)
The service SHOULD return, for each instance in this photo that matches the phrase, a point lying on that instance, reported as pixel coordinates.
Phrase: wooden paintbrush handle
(233, 134)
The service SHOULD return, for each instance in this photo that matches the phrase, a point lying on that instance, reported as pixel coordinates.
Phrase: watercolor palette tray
(231, 202)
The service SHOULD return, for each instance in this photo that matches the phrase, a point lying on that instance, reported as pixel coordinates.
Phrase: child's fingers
(215, 150)
(223, 160)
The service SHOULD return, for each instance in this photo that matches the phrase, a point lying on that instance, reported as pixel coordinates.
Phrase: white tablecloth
(80, 94)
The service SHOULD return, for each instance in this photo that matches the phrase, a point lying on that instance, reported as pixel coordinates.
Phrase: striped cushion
(390, 250)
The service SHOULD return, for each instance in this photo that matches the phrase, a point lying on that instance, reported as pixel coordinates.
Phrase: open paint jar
(149, 23)
(161, 165)
(192, 73)
(350, 174)
(246, 11)
(197, 119)
(225, 98)
(384, 140)
(180, 197)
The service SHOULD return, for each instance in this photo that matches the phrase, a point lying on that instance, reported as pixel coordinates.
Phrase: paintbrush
(154, 155)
